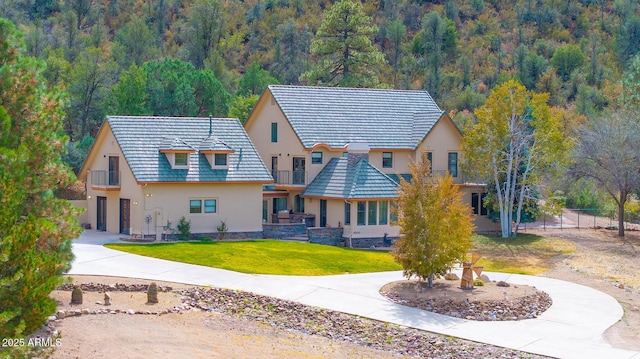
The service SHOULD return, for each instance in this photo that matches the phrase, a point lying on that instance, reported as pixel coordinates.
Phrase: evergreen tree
(342, 46)
(35, 228)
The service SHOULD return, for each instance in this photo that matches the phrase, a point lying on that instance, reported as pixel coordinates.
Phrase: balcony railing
(295, 178)
(105, 179)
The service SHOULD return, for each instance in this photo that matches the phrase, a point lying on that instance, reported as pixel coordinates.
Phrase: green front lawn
(525, 254)
(268, 257)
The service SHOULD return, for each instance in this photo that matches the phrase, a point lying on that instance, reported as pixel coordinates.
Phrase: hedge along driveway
(268, 257)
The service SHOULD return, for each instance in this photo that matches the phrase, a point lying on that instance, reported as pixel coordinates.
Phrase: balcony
(105, 180)
(290, 178)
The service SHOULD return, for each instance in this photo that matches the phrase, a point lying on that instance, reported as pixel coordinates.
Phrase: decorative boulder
(485, 278)
(451, 276)
(76, 295)
(152, 293)
(502, 284)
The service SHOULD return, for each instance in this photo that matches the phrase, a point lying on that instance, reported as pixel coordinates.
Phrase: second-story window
(180, 159)
(274, 132)
(316, 158)
(220, 159)
(387, 160)
(453, 164)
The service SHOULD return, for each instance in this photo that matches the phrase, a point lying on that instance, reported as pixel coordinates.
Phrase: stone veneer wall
(325, 235)
(283, 230)
(230, 235)
(368, 242)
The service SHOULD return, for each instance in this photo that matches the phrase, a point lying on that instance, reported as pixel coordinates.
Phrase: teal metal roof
(405, 176)
(142, 138)
(362, 180)
(389, 119)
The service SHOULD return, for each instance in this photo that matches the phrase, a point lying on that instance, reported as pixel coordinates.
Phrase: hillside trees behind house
(36, 228)
(458, 50)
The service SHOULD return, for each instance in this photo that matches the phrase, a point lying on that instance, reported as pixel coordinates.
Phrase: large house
(144, 174)
(336, 155)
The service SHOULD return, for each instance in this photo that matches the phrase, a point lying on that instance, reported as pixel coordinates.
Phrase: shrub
(222, 230)
(184, 228)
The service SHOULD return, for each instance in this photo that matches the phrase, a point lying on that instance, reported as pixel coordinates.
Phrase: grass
(268, 257)
(526, 254)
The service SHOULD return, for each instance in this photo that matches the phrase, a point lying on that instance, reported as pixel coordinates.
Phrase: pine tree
(342, 45)
(35, 228)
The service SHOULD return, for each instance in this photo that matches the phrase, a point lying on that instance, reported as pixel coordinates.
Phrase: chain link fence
(583, 218)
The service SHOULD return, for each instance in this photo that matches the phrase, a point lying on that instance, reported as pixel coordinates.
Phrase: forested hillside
(201, 57)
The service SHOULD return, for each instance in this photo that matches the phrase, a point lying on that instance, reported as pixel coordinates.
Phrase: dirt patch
(608, 263)
(485, 303)
(213, 322)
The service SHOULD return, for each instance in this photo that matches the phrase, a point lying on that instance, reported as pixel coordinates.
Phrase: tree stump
(152, 293)
(76, 295)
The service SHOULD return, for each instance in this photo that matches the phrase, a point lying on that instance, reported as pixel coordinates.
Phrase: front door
(125, 216)
(323, 213)
(298, 170)
(102, 214)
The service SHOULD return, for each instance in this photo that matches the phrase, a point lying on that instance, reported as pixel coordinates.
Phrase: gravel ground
(288, 316)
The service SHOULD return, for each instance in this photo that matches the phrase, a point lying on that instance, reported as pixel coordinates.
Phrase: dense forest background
(214, 57)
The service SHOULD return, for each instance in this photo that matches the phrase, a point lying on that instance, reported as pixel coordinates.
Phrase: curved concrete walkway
(571, 328)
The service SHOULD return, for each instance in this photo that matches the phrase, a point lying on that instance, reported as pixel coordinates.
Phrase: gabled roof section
(169, 144)
(384, 119)
(141, 139)
(214, 144)
(360, 181)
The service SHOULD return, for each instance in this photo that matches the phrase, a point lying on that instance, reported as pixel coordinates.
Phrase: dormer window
(177, 152)
(216, 152)
(180, 160)
(220, 159)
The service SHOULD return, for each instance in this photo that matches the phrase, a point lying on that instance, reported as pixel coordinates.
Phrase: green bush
(478, 283)
(184, 228)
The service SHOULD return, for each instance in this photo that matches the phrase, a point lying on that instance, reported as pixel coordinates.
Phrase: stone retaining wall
(325, 235)
(368, 242)
(283, 230)
(230, 235)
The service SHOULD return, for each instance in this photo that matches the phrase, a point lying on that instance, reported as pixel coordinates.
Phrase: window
(298, 204)
(474, 203)
(453, 164)
(195, 206)
(387, 160)
(382, 213)
(430, 158)
(210, 206)
(316, 158)
(477, 203)
(220, 159)
(180, 159)
(274, 132)
(373, 213)
(393, 216)
(361, 213)
(347, 213)
(483, 209)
